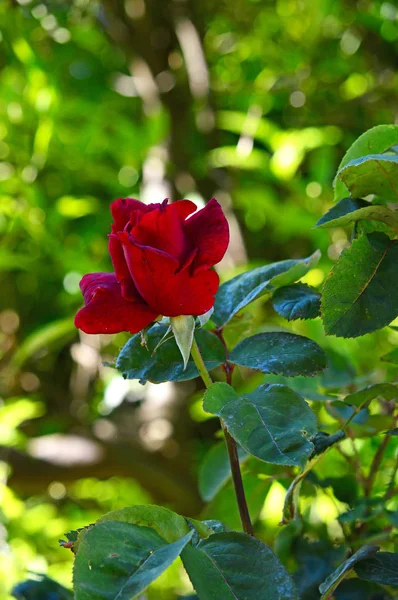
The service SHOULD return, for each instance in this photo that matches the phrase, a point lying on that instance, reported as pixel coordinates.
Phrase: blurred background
(251, 101)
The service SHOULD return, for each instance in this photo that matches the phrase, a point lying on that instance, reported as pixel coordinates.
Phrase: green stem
(231, 447)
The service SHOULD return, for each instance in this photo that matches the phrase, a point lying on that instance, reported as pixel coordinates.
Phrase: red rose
(162, 262)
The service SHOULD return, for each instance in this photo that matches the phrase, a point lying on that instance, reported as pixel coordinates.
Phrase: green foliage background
(254, 102)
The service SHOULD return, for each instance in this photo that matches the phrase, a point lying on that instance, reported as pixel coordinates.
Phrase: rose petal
(106, 311)
(208, 230)
(167, 290)
(121, 210)
(163, 228)
(117, 256)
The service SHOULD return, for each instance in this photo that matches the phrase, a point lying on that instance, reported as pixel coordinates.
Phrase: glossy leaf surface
(272, 423)
(280, 353)
(298, 301)
(136, 362)
(238, 292)
(235, 566)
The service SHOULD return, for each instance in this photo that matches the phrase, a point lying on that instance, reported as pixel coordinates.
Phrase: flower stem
(231, 447)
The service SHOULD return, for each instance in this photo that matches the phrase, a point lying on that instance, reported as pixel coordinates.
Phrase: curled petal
(106, 311)
(208, 230)
(168, 290)
(163, 228)
(117, 256)
(121, 210)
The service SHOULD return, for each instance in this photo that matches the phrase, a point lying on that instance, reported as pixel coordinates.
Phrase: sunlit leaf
(349, 210)
(374, 141)
(373, 174)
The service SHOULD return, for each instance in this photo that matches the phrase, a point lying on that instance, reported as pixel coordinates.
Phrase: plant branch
(231, 447)
(374, 467)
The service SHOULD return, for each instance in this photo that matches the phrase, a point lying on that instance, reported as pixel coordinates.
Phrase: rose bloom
(162, 258)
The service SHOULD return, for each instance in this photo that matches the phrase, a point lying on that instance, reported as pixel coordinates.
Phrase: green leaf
(374, 141)
(238, 292)
(168, 524)
(215, 470)
(235, 566)
(364, 397)
(272, 423)
(330, 584)
(373, 174)
(136, 362)
(280, 353)
(118, 560)
(349, 210)
(183, 328)
(382, 568)
(359, 295)
(391, 357)
(298, 301)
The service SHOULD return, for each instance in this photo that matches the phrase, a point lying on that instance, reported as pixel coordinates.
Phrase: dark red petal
(208, 230)
(163, 228)
(167, 290)
(117, 256)
(121, 210)
(106, 311)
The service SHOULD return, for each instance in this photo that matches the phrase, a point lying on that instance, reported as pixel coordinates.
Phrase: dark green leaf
(41, 588)
(326, 588)
(298, 301)
(372, 174)
(272, 423)
(349, 210)
(382, 568)
(235, 566)
(364, 397)
(119, 560)
(392, 431)
(238, 292)
(359, 295)
(136, 362)
(374, 141)
(215, 470)
(391, 357)
(280, 353)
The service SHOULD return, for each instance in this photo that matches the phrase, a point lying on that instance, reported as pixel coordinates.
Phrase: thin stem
(374, 467)
(231, 447)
